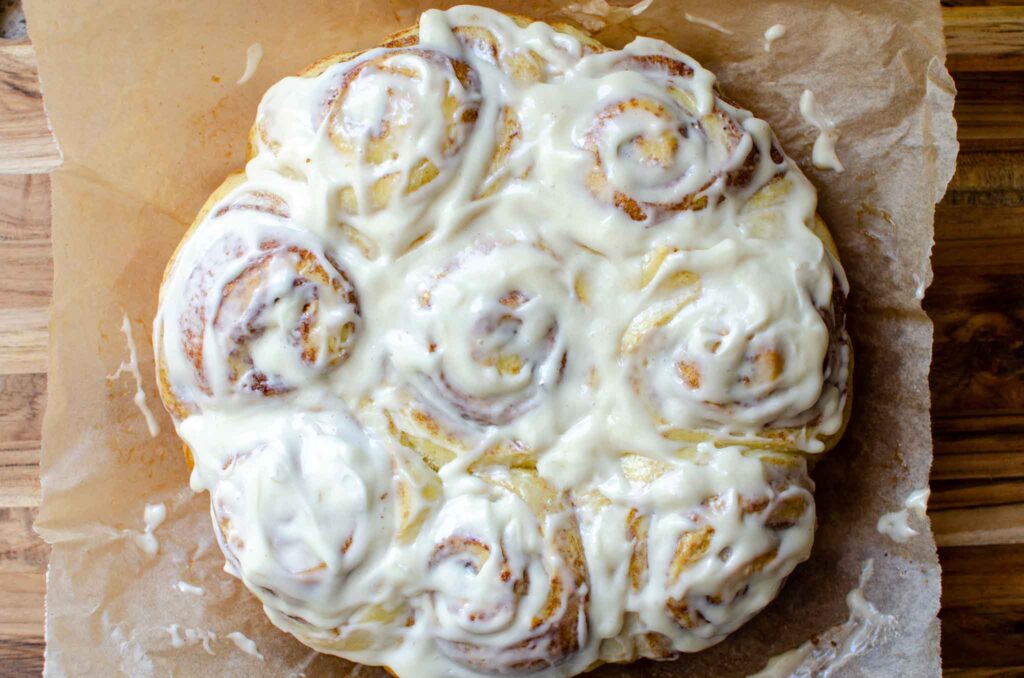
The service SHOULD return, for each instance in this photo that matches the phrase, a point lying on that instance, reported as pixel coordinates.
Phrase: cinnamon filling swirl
(506, 353)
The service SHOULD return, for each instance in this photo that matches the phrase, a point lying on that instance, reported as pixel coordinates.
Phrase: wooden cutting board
(976, 302)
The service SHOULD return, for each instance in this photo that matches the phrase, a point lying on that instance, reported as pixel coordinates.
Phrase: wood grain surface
(977, 382)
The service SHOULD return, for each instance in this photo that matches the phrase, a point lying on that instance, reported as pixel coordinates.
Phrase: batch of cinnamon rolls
(507, 353)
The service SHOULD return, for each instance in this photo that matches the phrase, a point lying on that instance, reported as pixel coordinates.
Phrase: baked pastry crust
(563, 443)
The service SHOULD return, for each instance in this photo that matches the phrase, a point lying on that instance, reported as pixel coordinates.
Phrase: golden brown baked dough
(506, 353)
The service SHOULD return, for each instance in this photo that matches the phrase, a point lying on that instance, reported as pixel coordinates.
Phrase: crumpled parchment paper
(143, 100)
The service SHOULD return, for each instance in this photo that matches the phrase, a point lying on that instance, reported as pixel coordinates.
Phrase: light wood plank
(966, 494)
(24, 552)
(26, 273)
(23, 340)
(980, 526)
(990, 173)
(22, 401)
(24, 207)
(978, 466)
(26, 145)
(979, 433)
(983, 40)
(19, 476)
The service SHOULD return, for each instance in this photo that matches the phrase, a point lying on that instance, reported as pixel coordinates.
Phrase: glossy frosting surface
(505, 352)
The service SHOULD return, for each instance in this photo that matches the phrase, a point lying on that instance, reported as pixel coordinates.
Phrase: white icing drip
(190, 589)
(596, 15)
(917, 501)
(708, 23)
(896, 525)
(333, 323)
(253, 56)
(831, 650)
(773, 33)
(154, 516)
(244, 644)
(185, 637)
(823, 155)
(132, 366)
(176, 640)
(919, 287)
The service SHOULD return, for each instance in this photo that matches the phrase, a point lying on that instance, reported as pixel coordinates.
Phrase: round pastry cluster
(506, 353)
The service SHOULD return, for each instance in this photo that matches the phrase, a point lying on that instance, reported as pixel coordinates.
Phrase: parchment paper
(142, 98)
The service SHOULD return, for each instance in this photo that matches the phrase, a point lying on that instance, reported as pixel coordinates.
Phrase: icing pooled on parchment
(774, 32)
(896, 525)
(823, 155)
(832, 649)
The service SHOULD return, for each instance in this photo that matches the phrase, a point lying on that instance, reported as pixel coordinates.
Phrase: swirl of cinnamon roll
(494, 44)
(397, 118)
(260, 307)
(660, 147)
(486, 346)
(508, 577)
(521, 64)
(506, 353)
(496, 40)
(371, 130)
(716, 353)
(702, 559)
(483, 46)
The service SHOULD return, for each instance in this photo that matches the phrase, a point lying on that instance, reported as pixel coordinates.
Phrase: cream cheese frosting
(506, 352)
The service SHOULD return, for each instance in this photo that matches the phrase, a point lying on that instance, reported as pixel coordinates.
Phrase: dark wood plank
(984, 38)
(974, 446)
(979, 429)
(989, 110)
(983, 609)
(982, 3)
(23, 558)
(978, 312)
(977, 380)
(977, 306)
(985, 672)
(20, 656)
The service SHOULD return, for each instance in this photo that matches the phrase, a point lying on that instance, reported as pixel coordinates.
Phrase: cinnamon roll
(260, 307)
(302, 507)
(384, 127)
(737, 360)
(497, 41)
(664, 145)
(508, 599)
(483, 350)
(699, 562)
(496, 44)
(372, 120)
(507, 353)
